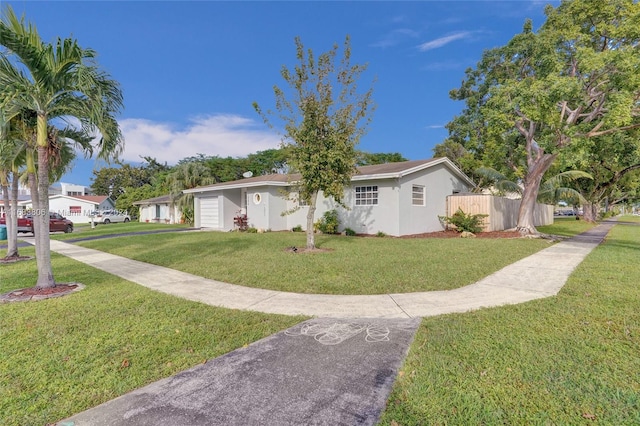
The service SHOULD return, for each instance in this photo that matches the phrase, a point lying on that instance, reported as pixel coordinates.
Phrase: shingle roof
(93, 198)
(380, 171)
(163, 199)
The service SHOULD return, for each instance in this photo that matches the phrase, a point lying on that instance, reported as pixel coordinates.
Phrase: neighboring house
(71, 189)
(76, 208)
(396, 198)
(159, 210)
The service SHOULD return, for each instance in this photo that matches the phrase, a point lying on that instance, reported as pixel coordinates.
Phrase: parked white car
(109, 216)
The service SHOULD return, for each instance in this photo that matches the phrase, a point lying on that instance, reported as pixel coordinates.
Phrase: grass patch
(62, 356)
(82, 230)
(569, 359)
(566, 227)
(350, 266)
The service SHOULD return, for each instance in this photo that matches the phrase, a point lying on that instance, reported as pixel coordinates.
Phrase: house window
(417, 195)
(366, 195)
(301, 201)
(158, 211)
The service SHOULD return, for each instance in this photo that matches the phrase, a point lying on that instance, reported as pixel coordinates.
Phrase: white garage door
(209, 212)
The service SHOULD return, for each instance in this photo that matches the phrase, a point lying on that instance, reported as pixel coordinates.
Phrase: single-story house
(158, 210)
(75, 208)
(395, 198)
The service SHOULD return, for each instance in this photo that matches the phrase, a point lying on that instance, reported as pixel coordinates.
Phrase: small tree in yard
(322, 118)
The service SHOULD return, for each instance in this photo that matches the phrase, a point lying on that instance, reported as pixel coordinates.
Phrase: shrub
(349, 232)
(381, 234)
(252, 230)
(329, 222)
(465, 222)
(297, 228)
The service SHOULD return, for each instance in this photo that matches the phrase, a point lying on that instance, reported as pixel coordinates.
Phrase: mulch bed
(34, 294)
(454, 234)
(6, 260)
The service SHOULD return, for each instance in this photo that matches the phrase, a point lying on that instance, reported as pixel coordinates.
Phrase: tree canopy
(527, 102)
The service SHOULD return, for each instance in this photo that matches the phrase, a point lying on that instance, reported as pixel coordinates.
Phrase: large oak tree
(576, 78)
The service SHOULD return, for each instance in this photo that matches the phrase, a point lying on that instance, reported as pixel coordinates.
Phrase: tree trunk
(41, 213)
(590, 212)
(10, 217)
(12, 242)
(11, 249)
(539, 165)
(311, 240)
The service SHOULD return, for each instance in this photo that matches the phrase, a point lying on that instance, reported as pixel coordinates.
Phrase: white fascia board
(235, 186)
(376, 176)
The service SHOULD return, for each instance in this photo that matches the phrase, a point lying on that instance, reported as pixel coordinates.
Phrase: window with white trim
(417, 195)
(367, 195)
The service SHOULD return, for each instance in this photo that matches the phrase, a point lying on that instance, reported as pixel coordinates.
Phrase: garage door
(209, 212)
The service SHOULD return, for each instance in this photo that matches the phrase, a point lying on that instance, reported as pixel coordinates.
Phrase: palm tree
(9, 152)
(58, 82)
(186, 176)
(551, 191)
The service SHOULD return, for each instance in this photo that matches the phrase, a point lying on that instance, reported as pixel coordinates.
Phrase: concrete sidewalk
(538, 276)
(324, 371)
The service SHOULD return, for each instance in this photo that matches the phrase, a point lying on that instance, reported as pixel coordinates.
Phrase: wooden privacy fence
(502, 212)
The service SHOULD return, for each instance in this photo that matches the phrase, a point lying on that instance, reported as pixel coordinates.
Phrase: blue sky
(190, 70)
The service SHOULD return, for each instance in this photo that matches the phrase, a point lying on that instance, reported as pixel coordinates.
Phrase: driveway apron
(319, 372)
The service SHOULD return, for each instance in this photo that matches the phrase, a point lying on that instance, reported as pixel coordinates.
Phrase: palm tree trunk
(10, 215)
(41, 213)
(13, 215)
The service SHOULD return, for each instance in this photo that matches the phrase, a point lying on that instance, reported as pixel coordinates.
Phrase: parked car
(109, 216)
(57, 223)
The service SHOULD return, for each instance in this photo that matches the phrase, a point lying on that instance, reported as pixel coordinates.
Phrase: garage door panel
(209, 216)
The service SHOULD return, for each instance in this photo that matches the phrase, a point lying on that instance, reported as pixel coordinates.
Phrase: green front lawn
(562, 360)
(62, 356)
(566, 227)
(570, 359)
(82, 230)
(351, 265)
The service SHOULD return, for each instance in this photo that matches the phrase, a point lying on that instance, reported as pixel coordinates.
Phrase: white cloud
(435, 126)
(395, 37)
(221, 134)
(439, 42)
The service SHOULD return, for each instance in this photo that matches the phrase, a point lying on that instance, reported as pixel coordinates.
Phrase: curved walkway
(538, 276)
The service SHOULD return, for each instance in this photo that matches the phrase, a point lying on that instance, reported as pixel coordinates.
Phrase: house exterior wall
(438, 183)
(229, 206)
(370, 219)
(148, 214)
(63, 206)
(277, 206)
